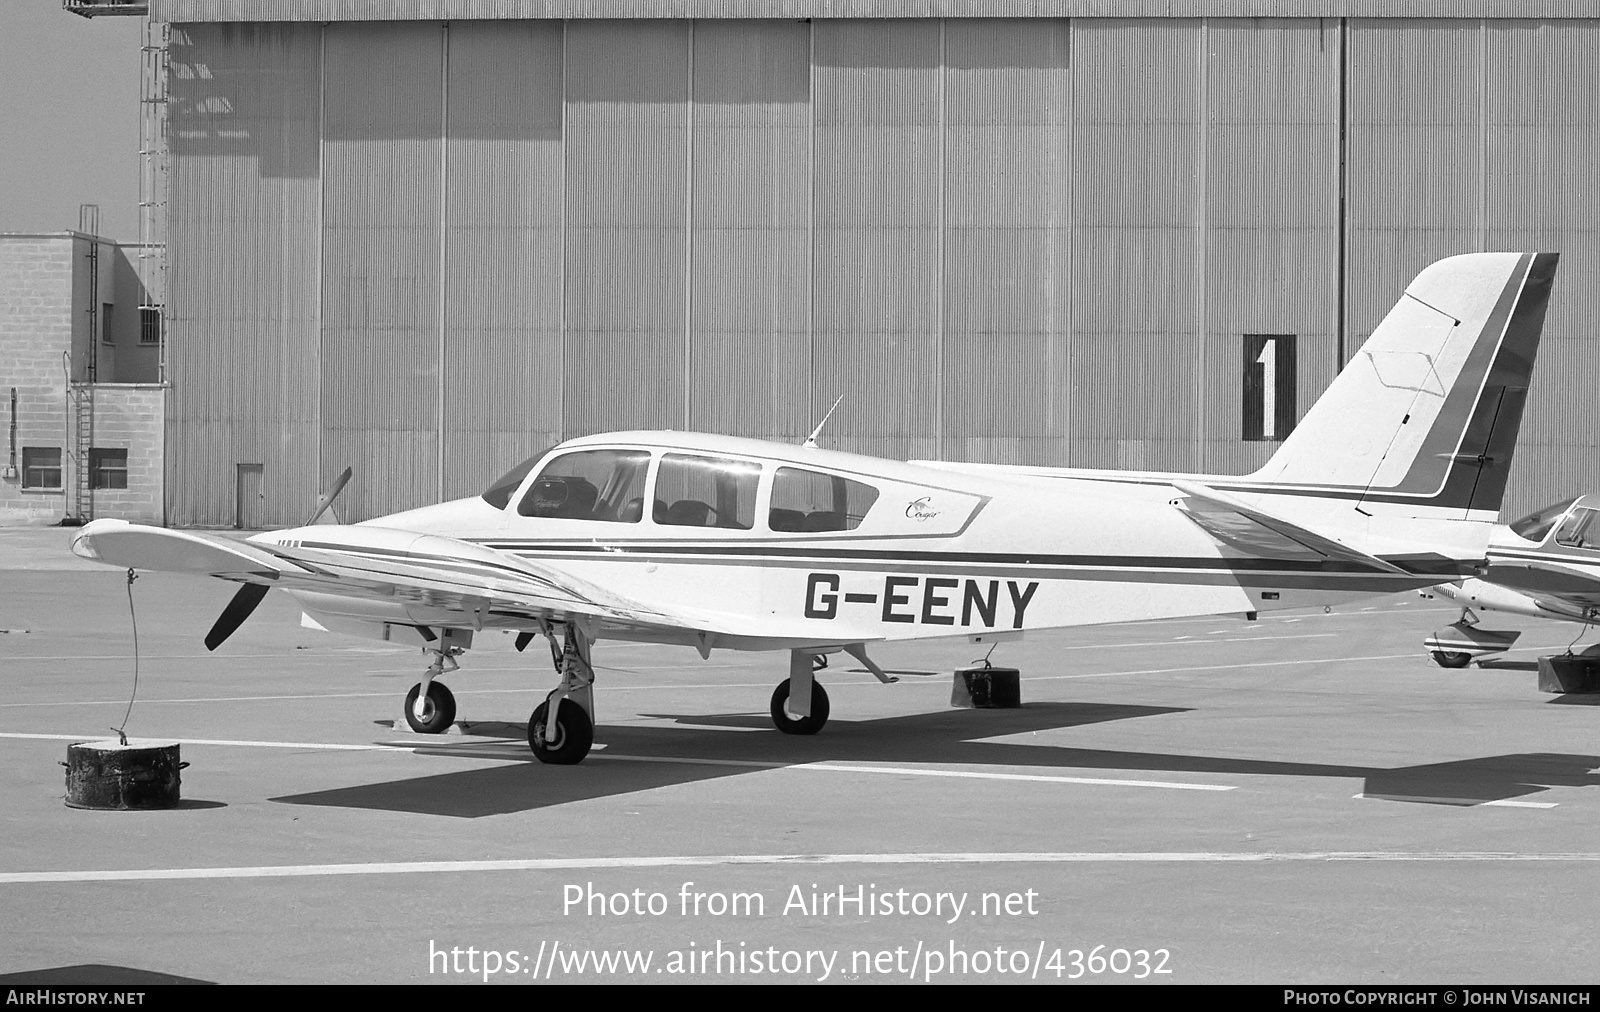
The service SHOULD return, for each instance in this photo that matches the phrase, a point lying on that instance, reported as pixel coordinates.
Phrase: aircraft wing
(405, 568)
(1251, 529)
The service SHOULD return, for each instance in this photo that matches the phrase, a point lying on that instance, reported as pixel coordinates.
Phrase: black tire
(439, 711)
(1451, 659)
(574, 733)
(799, 725)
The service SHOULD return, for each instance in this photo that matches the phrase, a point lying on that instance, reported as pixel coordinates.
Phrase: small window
(107, 335)
(809, 501)
(149, 325)
(41, 467)
(590, 485)
(1537, 524)
(1269, 387)
(108, 468)
(706, 492)
(1579, 530)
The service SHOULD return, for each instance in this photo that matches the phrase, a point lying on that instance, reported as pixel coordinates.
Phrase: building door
(250, 500)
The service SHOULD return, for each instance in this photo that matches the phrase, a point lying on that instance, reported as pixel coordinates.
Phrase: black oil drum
(987, 687)
(111, 775)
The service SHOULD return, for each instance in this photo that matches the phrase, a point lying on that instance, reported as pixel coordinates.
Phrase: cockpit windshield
(1536, 525)
(499, 494)
(590, 485)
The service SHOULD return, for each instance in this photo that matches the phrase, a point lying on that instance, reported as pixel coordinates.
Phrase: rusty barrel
(111, 775)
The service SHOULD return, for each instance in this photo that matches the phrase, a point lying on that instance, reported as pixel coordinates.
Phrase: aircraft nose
(452, 517)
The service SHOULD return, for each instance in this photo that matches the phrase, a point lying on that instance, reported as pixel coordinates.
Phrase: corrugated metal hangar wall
(429, 249)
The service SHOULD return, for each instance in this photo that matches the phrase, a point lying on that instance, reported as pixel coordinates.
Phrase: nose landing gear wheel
(565, 744)
(1451, 659)
(799, 725)
(438, 710)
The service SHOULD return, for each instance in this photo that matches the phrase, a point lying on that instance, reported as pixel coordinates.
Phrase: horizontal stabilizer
(1237, 523)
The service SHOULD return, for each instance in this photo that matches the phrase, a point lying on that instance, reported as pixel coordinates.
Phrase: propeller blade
(233, 616)
(326, 499)
(523, 639)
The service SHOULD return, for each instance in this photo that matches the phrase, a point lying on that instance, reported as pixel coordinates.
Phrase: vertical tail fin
(1427, 412)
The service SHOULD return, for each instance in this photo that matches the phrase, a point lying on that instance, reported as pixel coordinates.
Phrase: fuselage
(848, 548)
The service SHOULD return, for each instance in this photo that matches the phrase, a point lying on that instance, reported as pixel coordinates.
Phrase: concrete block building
(79, 371)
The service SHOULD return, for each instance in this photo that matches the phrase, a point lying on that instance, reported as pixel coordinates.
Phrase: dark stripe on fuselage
(887, 558)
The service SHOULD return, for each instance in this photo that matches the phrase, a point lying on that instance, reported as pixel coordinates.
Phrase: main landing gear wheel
(1451, 659)
(568, 742)
(799, 725)
(438, 710)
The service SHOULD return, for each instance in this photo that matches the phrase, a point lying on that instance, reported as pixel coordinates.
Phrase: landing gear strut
(800, 703)
(561, 730)
(430, 705)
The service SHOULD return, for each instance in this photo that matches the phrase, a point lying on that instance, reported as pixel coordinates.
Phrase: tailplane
(1426, 413)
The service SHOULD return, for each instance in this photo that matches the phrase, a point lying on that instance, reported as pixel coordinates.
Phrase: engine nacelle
(1481, 595)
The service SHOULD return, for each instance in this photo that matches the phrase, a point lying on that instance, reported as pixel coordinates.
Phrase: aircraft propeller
(248, 596)
(244, 602)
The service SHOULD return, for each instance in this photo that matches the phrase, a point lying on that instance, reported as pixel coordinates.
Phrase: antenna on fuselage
(811, 440)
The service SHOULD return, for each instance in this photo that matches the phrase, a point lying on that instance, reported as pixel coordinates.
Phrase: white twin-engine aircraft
(1545, 565)
(1391, 482)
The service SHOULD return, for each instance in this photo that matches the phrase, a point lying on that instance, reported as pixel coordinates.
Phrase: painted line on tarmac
(456, 742)
(708, 685)
(759, 685)
(826, 767)
(1180, 641)
(1219, 667)
(486, 663)
(779, 860)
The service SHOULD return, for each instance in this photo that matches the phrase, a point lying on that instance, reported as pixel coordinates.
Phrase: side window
(1579, 530)
(108, 468)
(590, 485)
(41, 467)
(706, 492)
(809, 501)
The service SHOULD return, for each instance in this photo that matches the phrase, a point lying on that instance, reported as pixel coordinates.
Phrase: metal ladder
(80, 410)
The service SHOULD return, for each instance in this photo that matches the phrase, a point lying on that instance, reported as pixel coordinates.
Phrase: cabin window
(1537, 524)
(706, 492)
(499, 494)
(590, 485)
(810, 501)
(1579, 530)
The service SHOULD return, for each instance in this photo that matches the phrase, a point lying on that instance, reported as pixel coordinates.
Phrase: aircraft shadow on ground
(695, 752)
(95, 975)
